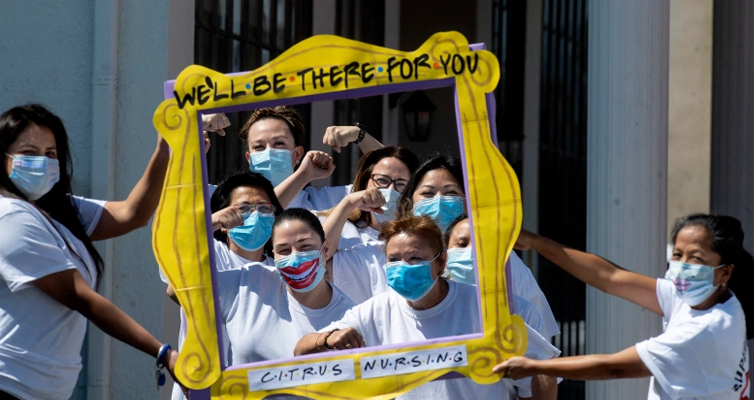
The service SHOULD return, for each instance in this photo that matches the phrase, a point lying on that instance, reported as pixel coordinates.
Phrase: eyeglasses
(247, 209)
(384, 181)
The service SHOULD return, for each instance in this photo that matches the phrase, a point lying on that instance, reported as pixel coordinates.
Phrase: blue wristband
(161, 354)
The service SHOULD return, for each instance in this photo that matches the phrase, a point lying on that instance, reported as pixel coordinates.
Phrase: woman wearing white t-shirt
(461, 269)
(421, 306)
(386, 169)
(265, 310)
(702, 353)
(48, 266)
(273, 136)
(436, 189)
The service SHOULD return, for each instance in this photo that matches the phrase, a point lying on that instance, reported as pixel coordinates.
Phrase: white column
(626, 169)
(732, 118)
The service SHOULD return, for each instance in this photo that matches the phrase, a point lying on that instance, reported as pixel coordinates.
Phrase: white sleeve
(31, 249)
(89, 210)
(525, 286)
(358, 272)
(320, 199)
(350, 319)
(667, 297)
(681, 360)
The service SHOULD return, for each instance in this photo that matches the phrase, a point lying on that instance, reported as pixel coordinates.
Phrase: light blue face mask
(391, 206)
(255, 231)
(34, 176)
(412, 282)
(442, 209)
(693, 282)
(273, 164)
(461, 265)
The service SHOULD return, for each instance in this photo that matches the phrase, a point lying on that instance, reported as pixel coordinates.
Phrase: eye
(279, 144)
(258, 148)
(51, 154)
(393, 259)
(283, 252)
(426, 193)
(452, 192)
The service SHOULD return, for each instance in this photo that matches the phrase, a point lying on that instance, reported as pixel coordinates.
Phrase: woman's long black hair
(727, 237)
(57, 202)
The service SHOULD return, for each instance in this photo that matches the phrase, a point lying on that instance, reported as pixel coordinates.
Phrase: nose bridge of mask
(458, 254)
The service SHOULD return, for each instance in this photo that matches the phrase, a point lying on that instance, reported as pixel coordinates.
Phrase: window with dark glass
(242, 35)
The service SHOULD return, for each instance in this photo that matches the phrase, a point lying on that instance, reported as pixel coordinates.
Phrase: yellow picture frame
(323, 68)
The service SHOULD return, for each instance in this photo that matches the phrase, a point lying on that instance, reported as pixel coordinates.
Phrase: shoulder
(10, 206)
(21, 214)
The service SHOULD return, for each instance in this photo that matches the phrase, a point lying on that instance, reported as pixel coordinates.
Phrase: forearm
(588, 268)
(588, 368)
(145, 196)
(334, 224)
(370, 143)
(287, 190)
(116, 323)
(308, 345)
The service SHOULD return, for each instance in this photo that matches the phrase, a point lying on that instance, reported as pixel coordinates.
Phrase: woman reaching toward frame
(702, 353)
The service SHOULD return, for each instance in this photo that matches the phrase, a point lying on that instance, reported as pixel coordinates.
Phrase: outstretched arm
(70, 289)
(595, 271)
(624, 364)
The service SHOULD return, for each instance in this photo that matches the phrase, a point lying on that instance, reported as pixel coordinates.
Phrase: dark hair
(244, 178)
(439, 161)
(452, 225)
(303, 215)
(422, 227)
(727, 238)
(57, 203)
(288, 115)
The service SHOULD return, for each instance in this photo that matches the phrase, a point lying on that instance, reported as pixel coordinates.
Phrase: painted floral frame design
(326, 68)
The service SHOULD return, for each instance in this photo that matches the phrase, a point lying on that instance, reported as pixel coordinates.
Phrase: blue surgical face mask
(461, 265)
(391, 206)
(442, 209)
(412, 282)
(301, 271)
(34, 176)
(693, 282)
(273, 164)
(254, 232)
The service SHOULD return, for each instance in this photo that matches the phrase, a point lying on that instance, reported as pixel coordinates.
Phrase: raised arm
(314, 165)
(338, 137)
(70, 289)
(367, 200)
(624, 364)
(595, 271)
(121, 217)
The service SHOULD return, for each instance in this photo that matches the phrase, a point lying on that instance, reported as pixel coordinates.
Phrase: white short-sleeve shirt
(89, 210)
(358, 271)
(525, 286)
(40, 338)
(320, 199)
(264, 322)
(388, 319)
(700, 354)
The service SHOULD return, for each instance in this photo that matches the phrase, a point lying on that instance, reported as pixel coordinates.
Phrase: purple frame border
(168, 88)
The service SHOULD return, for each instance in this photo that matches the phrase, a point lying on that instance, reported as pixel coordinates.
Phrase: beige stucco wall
(689, 107)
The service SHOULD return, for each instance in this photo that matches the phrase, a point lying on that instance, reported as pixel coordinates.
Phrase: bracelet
(362, 132)
(164, 349)
(327, 335)
(316, 346)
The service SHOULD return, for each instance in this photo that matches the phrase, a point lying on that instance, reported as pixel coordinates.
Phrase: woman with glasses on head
(243, 211)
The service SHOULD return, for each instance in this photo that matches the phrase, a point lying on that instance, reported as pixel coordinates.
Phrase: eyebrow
(29, 145)
(279, 137)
